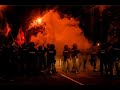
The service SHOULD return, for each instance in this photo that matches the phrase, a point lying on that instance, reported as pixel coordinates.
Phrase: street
(65, 80)
(62, 79)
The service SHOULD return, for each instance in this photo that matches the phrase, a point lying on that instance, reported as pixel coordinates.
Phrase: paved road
(61, 79)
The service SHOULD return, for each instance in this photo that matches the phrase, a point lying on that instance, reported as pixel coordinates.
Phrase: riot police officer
(66, 55)
(4, 60)
(1, 60)
(51, 53)
(110, 59)
(13, 60)
(6, 55)
(94, 57)
(19, 61)
(41, 59)
(84, 60)
(102, 55)
(74, 56)
(53, 60)
(24, 58)
(32, 53)
(116, 53)
(47, 57)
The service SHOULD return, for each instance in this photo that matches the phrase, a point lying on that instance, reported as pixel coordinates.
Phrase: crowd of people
(29, 61)
(107, 54)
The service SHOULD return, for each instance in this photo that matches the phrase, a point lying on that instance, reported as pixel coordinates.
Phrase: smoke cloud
(59, 31)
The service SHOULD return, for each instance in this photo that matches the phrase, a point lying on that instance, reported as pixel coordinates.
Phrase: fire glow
(39, 20)
(56, 30)
(35, 23)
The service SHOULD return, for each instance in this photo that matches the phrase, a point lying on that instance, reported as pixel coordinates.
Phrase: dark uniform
(24, 58)
(66, 55)
(116, 53)
(47, 57)
(4, 59)
(110, 59)
(102, 54)
(13, 61)
(1, 60)
(42, 59)
(51, 53)
(6, 55)
(33, 60)
(74, 56)
(19, 63)
(94, 58)
(84, 55)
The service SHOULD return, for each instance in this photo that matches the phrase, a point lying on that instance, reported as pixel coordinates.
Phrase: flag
(20, 37)
(7, 29)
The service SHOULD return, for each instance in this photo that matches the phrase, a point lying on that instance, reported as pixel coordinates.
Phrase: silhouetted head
(74, 45)
(39, 47)
(24, 45)
(32, 44)
(52, 46)
(66, 47)
(48, 45)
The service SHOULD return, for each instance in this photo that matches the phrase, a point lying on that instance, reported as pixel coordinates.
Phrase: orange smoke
(60, 31)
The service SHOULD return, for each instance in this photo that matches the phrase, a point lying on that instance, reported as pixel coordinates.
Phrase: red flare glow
(20, 37)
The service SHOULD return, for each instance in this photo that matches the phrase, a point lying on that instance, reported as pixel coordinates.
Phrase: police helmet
(24, 44)
(52, 46)
(48, 45)
(39, 47)
(66, 47)
(74, 45)
(32, 44)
